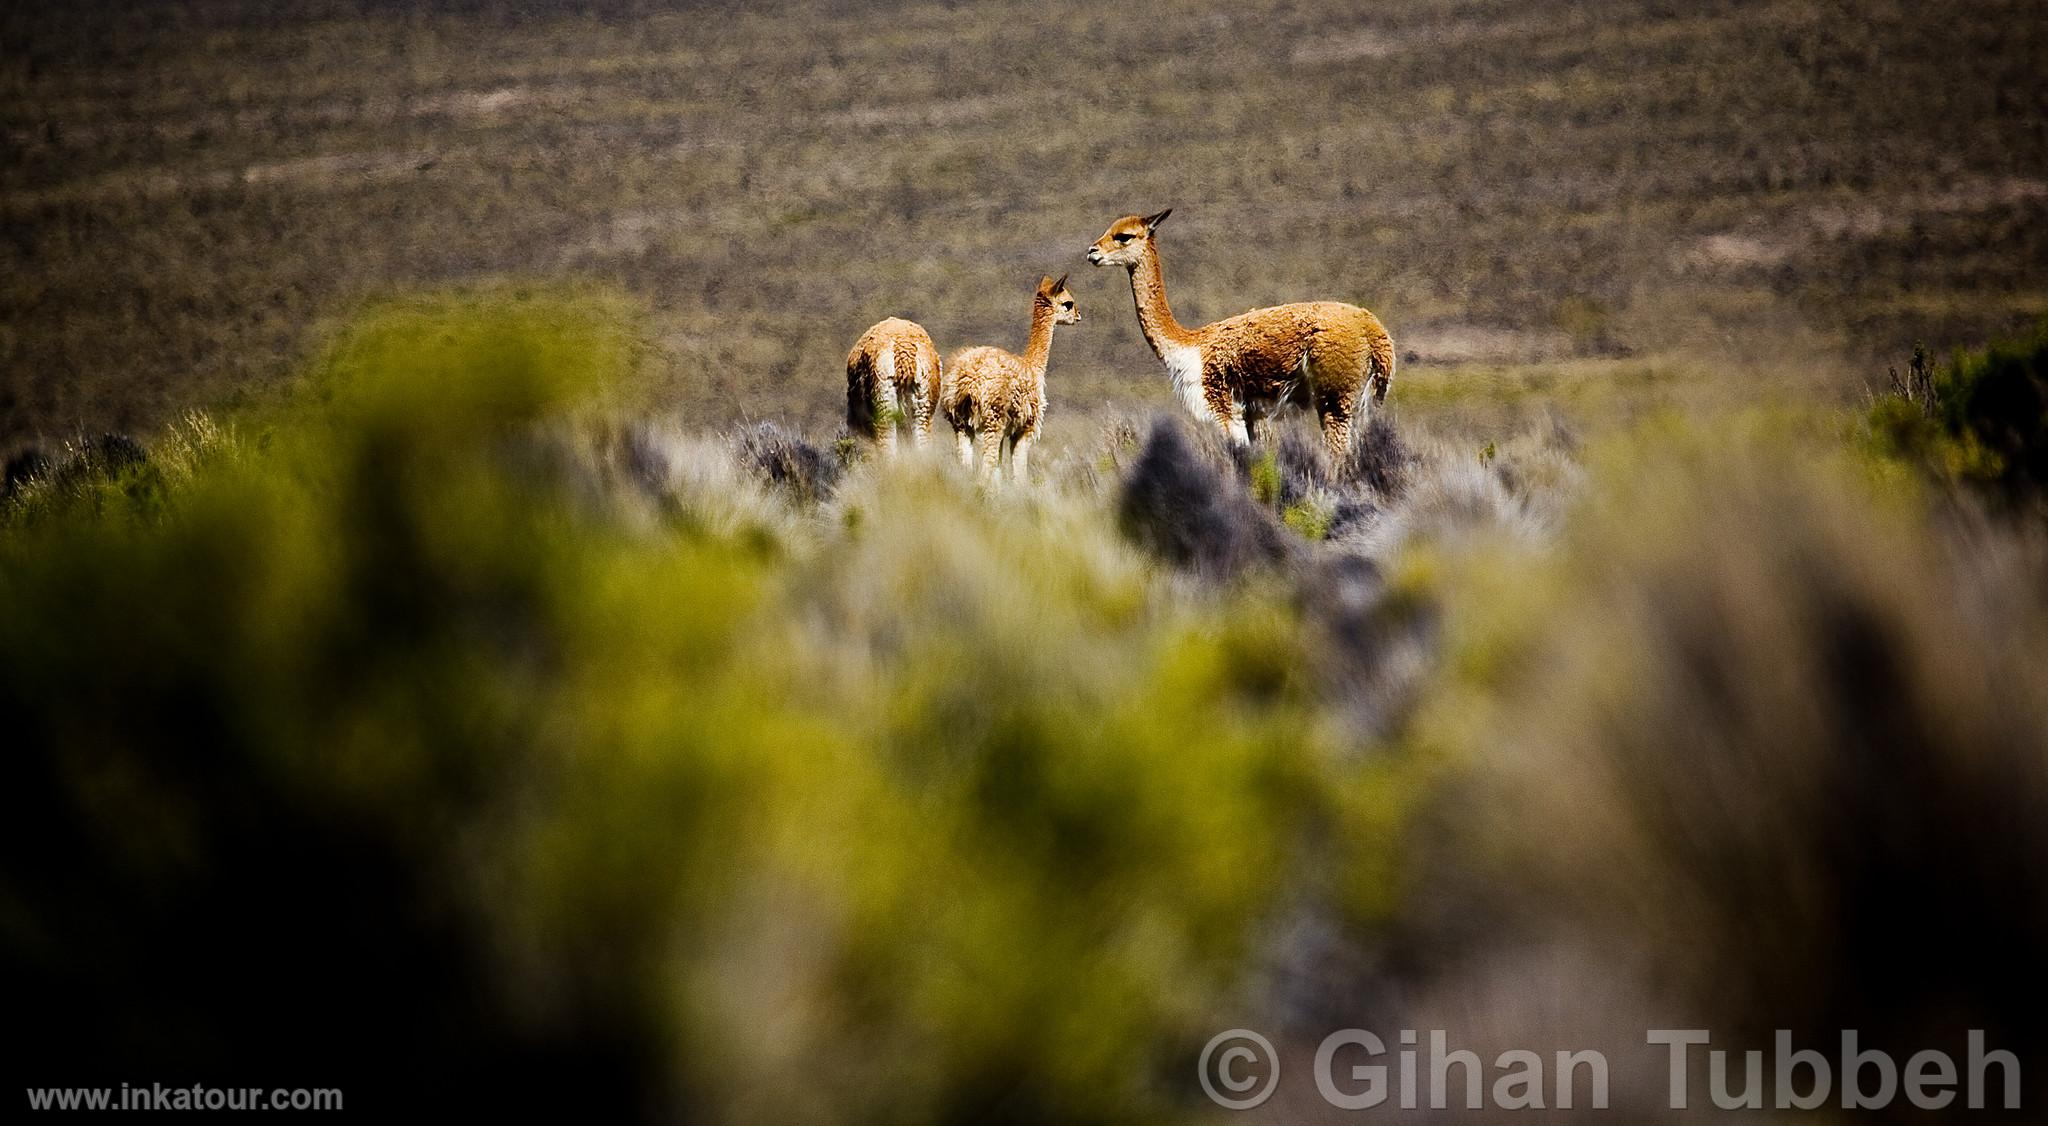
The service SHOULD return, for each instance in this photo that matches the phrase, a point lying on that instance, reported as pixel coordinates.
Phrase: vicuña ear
(1046, 284)
(1152, 221)
(1058, 285)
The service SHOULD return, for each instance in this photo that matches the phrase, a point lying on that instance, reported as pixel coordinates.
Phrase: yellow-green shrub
(377, 754)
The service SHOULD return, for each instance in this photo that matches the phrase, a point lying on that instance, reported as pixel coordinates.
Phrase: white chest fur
(1184, 369)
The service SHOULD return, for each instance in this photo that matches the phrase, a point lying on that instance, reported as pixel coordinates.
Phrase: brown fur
(996, 400)
(892, 375)
(1322, 354)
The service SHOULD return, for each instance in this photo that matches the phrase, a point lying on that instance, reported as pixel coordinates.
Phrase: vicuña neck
(1038, 350)
(1155, 316)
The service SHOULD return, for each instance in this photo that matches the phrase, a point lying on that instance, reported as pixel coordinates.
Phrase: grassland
(1781, 190)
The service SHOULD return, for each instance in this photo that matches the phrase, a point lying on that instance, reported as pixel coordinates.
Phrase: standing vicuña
(998, 398)
(1321, 353)
(892, 375)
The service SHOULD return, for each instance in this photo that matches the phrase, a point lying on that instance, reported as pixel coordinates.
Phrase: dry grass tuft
(785, 461)
(1182, 505)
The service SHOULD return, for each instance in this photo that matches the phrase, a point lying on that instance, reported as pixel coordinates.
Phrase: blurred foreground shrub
(369, 753)
(1759, 752)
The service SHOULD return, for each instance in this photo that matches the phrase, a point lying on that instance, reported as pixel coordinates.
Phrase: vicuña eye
(1124, 236)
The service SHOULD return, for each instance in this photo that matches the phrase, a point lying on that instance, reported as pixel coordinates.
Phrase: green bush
(1981, 418)
(1309, 518)
(369, 750)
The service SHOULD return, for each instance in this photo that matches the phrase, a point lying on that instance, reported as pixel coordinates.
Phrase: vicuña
(1324, 354)
(998, 399)
(892, 376)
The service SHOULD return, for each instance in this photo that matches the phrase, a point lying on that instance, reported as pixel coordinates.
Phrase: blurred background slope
(186, 188)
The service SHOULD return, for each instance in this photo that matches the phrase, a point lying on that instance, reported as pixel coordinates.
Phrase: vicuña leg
(883, 400)
(1234, 426)
(991, 450)
(921, 419)
(885, 421)
(1020, 457)
(1333, 412)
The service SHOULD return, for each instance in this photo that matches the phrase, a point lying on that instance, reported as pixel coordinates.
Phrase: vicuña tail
(1381, 366)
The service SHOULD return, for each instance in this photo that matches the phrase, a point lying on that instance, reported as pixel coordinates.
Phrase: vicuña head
(1325, 354)
(1123, 244)
(1053, 293)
